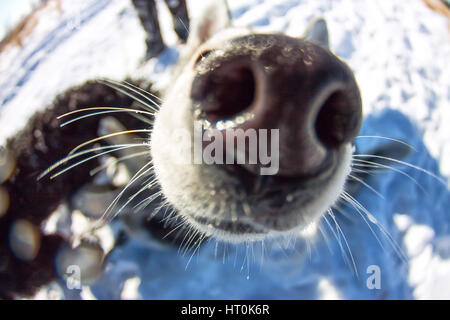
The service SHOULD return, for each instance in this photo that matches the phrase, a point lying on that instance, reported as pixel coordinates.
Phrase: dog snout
(275, 82)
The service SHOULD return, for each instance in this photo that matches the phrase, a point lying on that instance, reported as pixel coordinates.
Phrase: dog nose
(282, 83)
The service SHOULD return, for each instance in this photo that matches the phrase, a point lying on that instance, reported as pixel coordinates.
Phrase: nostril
(225, 91)
(337, 120)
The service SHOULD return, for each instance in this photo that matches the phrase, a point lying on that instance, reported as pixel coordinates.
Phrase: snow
(416, 238)
(59, 44)
(11, 13)
(399, 52)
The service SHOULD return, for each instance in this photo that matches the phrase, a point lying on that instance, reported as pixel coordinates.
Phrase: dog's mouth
(233, 228)
(271, 201)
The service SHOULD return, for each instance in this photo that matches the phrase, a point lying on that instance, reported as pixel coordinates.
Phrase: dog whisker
(442, 181)
(338, 228)
(144, 203)
(365, 163)
(117, 86)
(366, 185)
(116, 161)
(81, 153)
(106, 110)
(387, 138)
(144, 92)
(82, 145)
(142, 172)
(359, 207)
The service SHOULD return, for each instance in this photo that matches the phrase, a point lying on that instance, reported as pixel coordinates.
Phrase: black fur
(41, 143)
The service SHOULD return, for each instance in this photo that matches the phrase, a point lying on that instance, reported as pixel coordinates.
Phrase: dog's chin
(286, 212)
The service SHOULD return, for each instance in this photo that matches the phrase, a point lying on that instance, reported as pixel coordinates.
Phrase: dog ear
(317, 32)
(215, 17)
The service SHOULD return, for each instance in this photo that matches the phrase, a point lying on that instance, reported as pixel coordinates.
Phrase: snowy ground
(399, 52)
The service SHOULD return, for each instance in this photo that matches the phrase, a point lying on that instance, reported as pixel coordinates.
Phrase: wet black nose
(278, 82)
